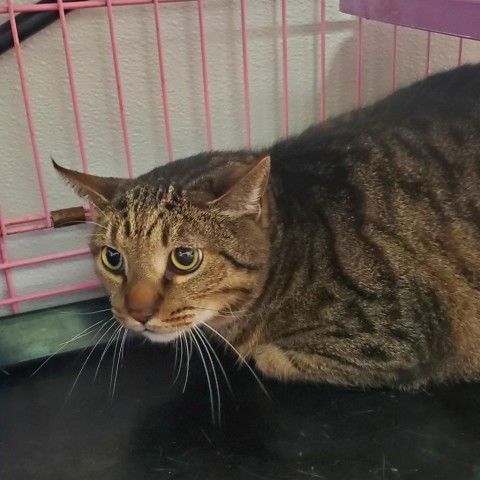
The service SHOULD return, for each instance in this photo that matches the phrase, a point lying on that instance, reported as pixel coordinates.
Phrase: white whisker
(181, 339)
(219, 403)
(112, 320)
(117, 337)
(106, 347)
(206, 373)
(189, 348)
(87, 313)
(239, 356)
(96, 207)
(86, 360)
(123, 344)
(176, 354)
(120, 355)
(86, 331)
(216, 357)
(96, 224)
(233, 314)
(88, 221)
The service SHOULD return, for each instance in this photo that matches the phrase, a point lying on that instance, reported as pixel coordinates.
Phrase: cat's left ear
(245, 196)
(99, 190)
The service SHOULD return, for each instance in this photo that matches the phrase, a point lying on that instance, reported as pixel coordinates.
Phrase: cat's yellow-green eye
(186, 260)
(112, 260)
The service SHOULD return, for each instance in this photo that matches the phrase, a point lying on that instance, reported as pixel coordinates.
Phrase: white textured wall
(92, 61)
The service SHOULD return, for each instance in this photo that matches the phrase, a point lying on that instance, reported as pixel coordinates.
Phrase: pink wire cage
(42, 220)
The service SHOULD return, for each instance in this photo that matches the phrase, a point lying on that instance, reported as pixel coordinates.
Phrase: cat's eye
(112, 260)
(186, 260)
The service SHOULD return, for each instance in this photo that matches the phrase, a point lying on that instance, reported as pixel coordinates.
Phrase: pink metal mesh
(42, 220)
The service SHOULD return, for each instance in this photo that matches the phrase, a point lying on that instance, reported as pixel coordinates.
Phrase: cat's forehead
(147, 211)
(146, 196)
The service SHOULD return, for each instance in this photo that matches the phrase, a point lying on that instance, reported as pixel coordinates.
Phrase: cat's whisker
(238, 314)
(87, 313)
(98, 331)
(195, 330)
(96, 224)
(119, 358)
(233, 315)
(86, 361)
(123, 344)
(83, 333)
(87, 331)
(97, 208)
(88, 221)
(189, 348)
(176, 353)
(106, 348)
(239, 356)
(195, 341)
(111, 319)
(115, 361)
(216, 357)
(77, 337)
(181, 339)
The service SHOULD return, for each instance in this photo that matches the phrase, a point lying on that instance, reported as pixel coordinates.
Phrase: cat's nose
(142, 316)
(142, 301)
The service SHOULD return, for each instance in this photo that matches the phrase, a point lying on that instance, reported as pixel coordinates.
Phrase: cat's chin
(161, 338)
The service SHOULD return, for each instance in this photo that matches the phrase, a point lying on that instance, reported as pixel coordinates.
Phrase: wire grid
(42, 220)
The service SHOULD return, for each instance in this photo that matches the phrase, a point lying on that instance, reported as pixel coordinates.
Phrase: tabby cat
(349, 254)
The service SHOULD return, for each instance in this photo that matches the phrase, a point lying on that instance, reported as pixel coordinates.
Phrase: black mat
(151, 430)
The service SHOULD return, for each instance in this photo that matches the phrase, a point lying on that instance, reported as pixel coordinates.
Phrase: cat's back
(443, 96)
(430, 127)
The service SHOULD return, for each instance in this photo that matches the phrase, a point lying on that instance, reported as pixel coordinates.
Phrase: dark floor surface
(151, 430)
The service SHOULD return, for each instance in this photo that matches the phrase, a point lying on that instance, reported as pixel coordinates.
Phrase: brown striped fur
(359, 264)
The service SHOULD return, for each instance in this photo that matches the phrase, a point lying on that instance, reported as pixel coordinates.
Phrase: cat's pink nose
(142, 316)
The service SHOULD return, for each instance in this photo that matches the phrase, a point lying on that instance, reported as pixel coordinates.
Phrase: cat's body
(355, 261)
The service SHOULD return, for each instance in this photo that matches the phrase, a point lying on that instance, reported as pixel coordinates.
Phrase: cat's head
(182, 245)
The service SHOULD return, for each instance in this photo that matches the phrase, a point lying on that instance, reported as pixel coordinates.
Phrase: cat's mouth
(155, 329)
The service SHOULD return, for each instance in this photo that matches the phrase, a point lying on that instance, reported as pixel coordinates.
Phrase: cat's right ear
(99, 190)
(245, 196)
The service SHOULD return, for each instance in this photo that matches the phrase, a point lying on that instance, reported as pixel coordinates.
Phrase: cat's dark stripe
(165, 235)
(357, 312)
(291, 333)
(331, 356)
(182, 309)
(244, 290)
(401, 334)
(337, 266)
(127, 228)
(238, 264)
(374, 352)
(179, 318)
(113, 232)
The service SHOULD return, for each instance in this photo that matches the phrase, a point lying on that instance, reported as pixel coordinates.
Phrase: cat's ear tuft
(245, 196)
(99, 190)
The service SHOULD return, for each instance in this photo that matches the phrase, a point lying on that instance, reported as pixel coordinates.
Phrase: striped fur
(364, 265)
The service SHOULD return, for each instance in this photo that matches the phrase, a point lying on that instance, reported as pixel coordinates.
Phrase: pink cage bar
(429, 15)
(43, 220)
